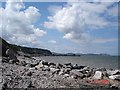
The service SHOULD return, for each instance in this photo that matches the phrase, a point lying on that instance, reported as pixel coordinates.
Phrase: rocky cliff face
(25, 50)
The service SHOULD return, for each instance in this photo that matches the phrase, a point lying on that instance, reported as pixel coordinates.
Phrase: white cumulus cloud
(17, 23)
(73, 18)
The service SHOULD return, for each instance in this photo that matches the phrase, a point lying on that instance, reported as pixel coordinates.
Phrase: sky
(63, 27)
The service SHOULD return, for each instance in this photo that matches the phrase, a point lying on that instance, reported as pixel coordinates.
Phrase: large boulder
(98, 75)
(12, 56)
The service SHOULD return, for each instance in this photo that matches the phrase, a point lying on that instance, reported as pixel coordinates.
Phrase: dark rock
(114, 87)
(101, 69)
(67, 64)
(5, 60)
(12, 61)
(30, 86)
(59, 66)
(52, 64)
(45, 63)
(4, 86)
(78, 67)
(34, 64)
(11, 54)
(29, 73)
(23, 63)
(67, 70)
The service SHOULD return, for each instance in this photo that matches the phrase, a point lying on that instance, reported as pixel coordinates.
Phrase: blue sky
(62, 27)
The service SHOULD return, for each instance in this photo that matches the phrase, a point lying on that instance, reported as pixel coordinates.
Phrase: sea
(93, 61)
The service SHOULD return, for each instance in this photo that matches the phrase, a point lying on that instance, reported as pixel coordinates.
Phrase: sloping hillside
(26, 50)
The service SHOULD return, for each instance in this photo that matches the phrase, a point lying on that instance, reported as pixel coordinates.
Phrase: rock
(101, 69)
(54, 70)
(45, 63)
(76, 74)
(98, 75)
(59, 66)
(40, 65)
(115, 77)
(46, 69)
(34, 64)
(115, 72)
(78, 67)
(4, 86)
(5, 60)
(29, 73)
(67, 64)
(61, 72)
(67, 70)
(1, 78)
(66, 75)
(11, 54)
(23, 63)
(12, 61)
(32, 69)
(114, 86)
(52, 64)
(28, 84)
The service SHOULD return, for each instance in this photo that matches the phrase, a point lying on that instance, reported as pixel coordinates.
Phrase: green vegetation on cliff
(26, 50)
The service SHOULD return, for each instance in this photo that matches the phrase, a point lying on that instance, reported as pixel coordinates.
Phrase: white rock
(39, 66)
(66, 75)
(98, 75)
(109, 72)
(113, 77)
(45, 66)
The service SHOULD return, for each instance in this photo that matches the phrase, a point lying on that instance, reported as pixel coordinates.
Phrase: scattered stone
(45, 63)
(4, 86)
(114, 86)
(34, 64)
(23, 63)
(67, 64)
(101, 69)
(40, 65)
(115, 77)
(78, 67)
(11, 54)
(59, 66)
(52, 64)
(61, 72)
(76, 74)
(5, 60)
(54, 70)
(66, 75)
(29, 73)
(46, 69)
(50, 75)
(113, 72)
(98, 75)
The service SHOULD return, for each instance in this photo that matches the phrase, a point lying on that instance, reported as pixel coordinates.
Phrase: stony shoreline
(32, 73)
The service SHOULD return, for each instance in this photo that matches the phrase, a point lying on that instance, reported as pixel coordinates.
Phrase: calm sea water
(92, 61)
